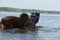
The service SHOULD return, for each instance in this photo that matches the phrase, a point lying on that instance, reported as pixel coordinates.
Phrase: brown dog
(10, 22)
(22, 22)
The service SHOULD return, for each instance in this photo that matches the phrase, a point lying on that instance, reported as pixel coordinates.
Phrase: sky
(53, 5)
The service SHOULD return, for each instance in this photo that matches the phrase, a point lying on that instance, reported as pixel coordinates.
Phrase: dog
(10, 22)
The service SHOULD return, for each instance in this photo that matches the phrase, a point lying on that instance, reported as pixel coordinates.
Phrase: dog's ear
(24, 15)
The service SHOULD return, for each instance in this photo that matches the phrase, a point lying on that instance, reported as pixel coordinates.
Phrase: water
(50, 30)
(50, 20)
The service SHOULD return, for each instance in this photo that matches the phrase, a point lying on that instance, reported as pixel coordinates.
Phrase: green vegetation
(9, 9)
